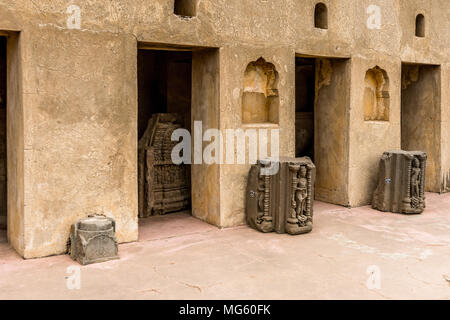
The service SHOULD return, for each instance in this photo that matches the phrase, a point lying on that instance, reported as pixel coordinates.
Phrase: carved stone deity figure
(302, 193)
(401, 186)
(281, 202)
(415, 179)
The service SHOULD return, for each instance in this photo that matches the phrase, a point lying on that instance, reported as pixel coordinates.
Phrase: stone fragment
(93, 240)
(401, 182)
(282, 202)
(163, 185)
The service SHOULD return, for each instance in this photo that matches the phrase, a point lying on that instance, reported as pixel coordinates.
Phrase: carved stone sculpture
(401, 182)
(260, 215)
(93, 240)
(163, 185)
(281, 202)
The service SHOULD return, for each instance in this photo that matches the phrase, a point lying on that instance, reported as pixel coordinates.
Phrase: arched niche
(376, 95)
(420, 25)
(185, 8)
(321, 16)
(260, 100)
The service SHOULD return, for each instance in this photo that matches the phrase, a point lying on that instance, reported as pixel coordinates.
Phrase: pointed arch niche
(260, 100)
(376, 95)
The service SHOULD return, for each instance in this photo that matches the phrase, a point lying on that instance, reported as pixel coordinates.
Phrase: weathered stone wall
(234, 61)
(332, 130)
(80, 134)
(369, 139)
(15, 145)
(72, 102)
(421, 117)
(445, 127)
(205, 103)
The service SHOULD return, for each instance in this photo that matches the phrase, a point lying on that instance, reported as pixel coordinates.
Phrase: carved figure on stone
(401, 186)
(163, 185)
(415, 178)
(301, 222)
(281, 202)
(302, 192)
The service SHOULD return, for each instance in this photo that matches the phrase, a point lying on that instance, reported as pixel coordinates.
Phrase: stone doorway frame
(326, 86)
(205, 102)
(15, 151)
(422, 76)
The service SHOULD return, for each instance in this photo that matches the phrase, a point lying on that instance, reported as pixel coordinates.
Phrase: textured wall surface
(72, 98)
(332, 130)
(421, 117)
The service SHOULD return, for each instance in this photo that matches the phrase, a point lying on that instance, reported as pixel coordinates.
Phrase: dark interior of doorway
(3, 183)
(164, 87)
(304, 106)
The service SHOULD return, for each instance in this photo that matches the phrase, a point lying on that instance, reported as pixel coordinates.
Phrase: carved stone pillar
(282, 202)
(401, 182)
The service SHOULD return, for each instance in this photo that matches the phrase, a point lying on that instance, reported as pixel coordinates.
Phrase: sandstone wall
(72, 110)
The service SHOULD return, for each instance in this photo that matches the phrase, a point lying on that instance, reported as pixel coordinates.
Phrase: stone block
(282, 202)
(93, 240)
(401, 182)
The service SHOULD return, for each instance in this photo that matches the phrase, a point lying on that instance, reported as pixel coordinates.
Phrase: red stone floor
(355, 253)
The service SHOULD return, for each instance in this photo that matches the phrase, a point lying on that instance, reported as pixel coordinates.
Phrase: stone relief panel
(281, 203)
(163, 185)
(260, 100)
(376, 95)
(401, 184)
(299, 219)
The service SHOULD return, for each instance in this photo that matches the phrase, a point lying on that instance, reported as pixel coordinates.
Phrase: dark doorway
(3, 181)
(164, 105)
(164, 85)
(304, 107)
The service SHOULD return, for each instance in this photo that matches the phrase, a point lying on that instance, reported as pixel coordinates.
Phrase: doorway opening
(176, 86)
(164, 105)
(322, 97)
(3, 167)
(420, 117)
(305, 73)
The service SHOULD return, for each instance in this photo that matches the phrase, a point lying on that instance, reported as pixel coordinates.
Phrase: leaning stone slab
(281, 202)
(401, 182)
(93, 240)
